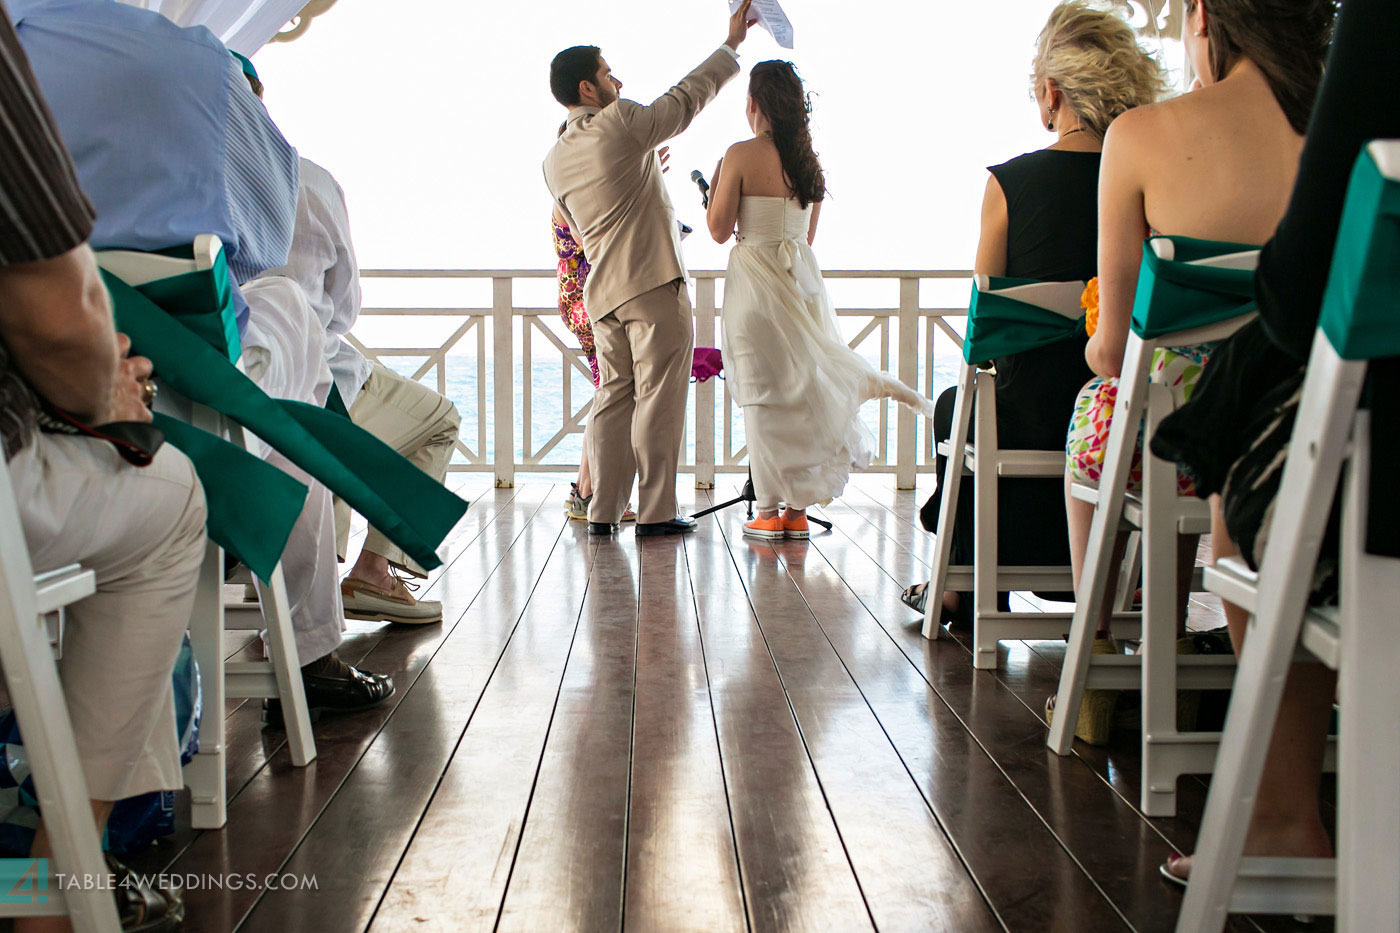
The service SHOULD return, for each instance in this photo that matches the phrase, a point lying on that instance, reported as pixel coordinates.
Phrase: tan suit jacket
(606, 179)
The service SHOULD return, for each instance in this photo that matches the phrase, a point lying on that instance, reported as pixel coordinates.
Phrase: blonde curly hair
(1092, 55)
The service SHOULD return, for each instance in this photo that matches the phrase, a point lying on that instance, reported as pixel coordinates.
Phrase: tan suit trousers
(141, 532)
(645, 351)
(418, 423)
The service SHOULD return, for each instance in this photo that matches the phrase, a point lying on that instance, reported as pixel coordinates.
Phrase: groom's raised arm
(672, 112)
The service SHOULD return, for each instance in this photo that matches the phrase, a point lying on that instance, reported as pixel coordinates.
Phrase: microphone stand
(748, 498)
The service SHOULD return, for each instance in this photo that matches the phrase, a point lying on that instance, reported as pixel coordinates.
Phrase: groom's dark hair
(571, 66)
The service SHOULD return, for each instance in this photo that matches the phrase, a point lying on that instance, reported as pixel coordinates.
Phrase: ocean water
(547, 404)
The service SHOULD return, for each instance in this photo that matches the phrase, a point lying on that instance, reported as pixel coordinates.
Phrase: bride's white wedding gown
(786, 364)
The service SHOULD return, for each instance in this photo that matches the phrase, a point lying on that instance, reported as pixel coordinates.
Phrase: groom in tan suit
(605, 176)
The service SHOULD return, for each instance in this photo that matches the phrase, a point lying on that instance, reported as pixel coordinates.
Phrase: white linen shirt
(322, 262)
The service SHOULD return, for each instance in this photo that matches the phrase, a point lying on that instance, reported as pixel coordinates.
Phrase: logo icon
(24, 881)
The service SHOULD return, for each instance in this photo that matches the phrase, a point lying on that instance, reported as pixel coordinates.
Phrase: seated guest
(1040, 221)
(283, 354)
(140, 529)
(198, 154)
(1215, 164)
(186, 150)
(1234, 433)
(405, 414)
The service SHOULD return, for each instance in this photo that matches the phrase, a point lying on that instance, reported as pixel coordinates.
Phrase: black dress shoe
(676, 526)
(348, 692)
(602, 528)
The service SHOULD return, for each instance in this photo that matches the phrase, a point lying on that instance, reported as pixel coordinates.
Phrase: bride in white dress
(786, 364)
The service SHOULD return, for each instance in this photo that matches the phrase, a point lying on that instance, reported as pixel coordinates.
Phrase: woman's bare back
(761, 167)
(1222, 161)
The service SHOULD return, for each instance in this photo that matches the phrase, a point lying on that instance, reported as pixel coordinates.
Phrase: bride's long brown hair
(777, 90)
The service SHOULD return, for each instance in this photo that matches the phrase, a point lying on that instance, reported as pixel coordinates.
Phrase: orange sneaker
(795, 526)
(769, 528)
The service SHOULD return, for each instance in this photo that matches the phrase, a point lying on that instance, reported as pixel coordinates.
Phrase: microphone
(704, 187)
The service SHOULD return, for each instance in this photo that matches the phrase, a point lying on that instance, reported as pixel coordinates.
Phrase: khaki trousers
(418, 423)
(141, 531)
(645, 351)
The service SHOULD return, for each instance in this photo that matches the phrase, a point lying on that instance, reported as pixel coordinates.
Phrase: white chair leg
(282, 652)
(58, 775)
(1130, 573)
(1316, 451)
(1103, 531)
(205, 775)
(948, 502)
(1159, 620)
(984, 498)
(286, 668)
(1368, 820)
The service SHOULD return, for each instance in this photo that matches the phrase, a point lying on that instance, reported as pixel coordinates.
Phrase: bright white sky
(436, 114)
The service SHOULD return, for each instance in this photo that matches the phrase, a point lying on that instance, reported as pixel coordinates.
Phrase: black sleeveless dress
(1052, 235)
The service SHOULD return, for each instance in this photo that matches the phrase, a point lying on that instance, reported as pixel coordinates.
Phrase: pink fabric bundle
(707, 364)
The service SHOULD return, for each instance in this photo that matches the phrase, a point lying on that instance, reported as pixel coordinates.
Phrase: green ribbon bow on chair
(1358, 309)
(1194, 285)
(251, 505)
(407, 505)
(1009, 315)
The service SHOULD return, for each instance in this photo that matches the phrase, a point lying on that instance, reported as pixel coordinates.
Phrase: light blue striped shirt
(168, 139)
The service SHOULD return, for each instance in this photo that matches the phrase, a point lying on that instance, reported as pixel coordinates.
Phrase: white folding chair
(986, 577)
(1160, 515)
(27, 656)
(1357, 638)
(278, 678)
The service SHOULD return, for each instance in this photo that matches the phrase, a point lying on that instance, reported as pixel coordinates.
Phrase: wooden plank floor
(702, 734)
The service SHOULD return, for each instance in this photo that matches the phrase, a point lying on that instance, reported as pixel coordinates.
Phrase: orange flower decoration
(1089, 301)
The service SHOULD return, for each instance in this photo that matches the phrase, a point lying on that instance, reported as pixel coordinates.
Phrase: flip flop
(953, 619)
(1166, 869)
(916, 601)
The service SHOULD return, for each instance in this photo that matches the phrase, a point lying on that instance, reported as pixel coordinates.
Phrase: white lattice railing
(501, 367)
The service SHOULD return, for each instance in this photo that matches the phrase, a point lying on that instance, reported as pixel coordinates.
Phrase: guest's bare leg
(372, 568)
(1080, 516)
(1186, 548)
(1287, 816)
(101, 809)
(585, 474)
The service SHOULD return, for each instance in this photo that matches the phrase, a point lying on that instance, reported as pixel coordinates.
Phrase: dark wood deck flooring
(686, 734)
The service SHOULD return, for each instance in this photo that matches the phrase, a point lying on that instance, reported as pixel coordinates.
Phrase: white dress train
(786, 364)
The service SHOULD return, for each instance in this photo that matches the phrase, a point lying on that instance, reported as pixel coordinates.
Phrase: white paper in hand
(771, 17)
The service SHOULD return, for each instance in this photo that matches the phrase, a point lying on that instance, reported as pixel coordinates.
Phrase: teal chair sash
(251, 505)
(1012, 315)
(1193, 288)
(411, 508)
(335, 403)
(1359, 308)
(201, 300)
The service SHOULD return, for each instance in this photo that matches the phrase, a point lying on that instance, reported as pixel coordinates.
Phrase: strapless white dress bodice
(772, 221)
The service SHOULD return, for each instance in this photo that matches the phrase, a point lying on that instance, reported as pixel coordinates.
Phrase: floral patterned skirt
(1179, 368)
(576, 320)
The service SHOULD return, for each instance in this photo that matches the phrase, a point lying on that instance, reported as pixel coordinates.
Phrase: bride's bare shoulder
(748, 149)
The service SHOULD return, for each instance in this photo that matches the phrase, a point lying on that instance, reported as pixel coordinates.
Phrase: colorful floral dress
(1178, 368)
(573, 273)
